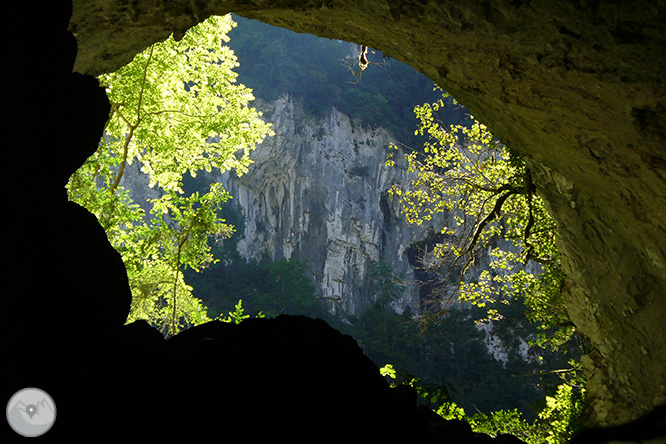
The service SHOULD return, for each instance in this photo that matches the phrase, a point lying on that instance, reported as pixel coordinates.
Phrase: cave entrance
(325, 91)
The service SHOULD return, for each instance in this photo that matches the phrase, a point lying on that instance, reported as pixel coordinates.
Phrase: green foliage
(431, 395)
(505, 422)
(555, 424)
(450, 410)
(385, 335)
(288, 289)
(269, 287)
(237, 315)
(175, 108)
(450, 351)
(386, 285)
(561, 414)
(388, 371)
(490, 203)
(485, 193)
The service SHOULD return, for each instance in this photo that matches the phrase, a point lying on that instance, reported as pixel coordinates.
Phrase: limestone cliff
(317, 191)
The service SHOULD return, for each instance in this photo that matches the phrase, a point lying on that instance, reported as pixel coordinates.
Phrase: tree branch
(128, 138)
(177, 111)
(181, 244)
(121, 170)
(549, 372)
(115, 109)
(143, 84)
(505, 187)
(491, 216)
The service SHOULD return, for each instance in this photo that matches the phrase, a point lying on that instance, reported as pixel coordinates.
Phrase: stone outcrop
(574, 86)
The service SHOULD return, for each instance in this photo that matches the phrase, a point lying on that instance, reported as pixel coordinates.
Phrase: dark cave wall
(576, 87)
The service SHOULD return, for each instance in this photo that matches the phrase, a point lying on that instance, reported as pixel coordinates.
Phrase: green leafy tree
(175, 109)
(486, 194)
(291, 290)
(382, 333)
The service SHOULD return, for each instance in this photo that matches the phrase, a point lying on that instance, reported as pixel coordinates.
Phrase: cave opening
(563, 100)
(275, 64)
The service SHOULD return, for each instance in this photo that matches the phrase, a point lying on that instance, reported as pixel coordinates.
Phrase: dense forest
(323, 73)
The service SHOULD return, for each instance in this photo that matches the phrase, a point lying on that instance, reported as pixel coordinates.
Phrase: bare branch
(495, 212)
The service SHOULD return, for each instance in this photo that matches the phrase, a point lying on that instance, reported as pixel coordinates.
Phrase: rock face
(574, 86)
(317, 191)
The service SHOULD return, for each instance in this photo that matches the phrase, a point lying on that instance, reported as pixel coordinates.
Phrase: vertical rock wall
(317, 191)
